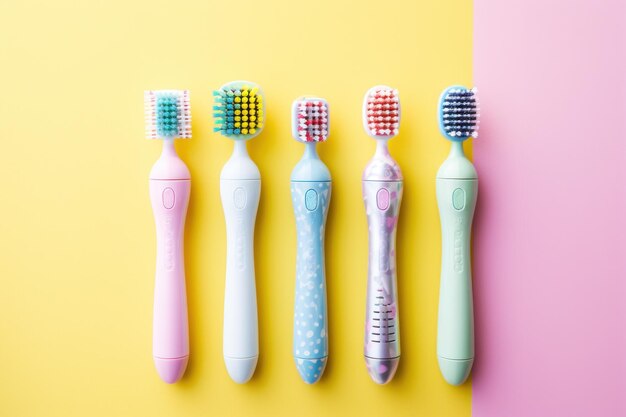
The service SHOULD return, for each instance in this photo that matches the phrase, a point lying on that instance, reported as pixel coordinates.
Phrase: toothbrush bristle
(238, 111)
(459, 113)
(311, 120)
(168, 114)
(382, 112)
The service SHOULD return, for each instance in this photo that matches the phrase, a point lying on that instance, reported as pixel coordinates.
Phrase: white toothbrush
(239, 116)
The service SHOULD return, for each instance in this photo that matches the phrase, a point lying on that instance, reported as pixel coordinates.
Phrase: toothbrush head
(168, 114)
(458, 113)
(381, 112)
(310, 122)
(238, 110)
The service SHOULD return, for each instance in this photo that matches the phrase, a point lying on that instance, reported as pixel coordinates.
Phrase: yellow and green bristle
(238, 111)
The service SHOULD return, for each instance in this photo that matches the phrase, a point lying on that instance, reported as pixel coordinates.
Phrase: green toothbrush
(457, 186)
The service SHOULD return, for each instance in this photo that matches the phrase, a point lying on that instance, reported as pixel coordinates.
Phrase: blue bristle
(167, 113)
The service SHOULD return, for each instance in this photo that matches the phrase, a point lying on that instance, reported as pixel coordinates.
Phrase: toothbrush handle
(240, 201)
(170, 199)
(382, 331)
(310, 340)
(455, 336)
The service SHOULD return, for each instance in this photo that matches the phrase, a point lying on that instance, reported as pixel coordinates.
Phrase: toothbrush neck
(382, 149)
(310, 151)
(169, 166)
(310, 168)
(240, 150)
(240, 166)
(168, 149)
(456, 150)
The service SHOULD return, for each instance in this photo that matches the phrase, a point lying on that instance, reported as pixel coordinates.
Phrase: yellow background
(77, 236)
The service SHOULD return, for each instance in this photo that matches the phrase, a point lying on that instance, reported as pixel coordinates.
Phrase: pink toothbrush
(168, 117)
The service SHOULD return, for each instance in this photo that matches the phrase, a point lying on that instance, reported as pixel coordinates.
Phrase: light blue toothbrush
(310, 192)
(457, 186)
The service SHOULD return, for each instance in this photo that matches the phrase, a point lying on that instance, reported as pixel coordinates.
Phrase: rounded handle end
(240, 369)
(382, 370)
(171, 370)
(311, 370)
(455, 371)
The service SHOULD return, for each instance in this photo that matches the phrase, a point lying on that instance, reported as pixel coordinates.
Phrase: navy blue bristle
(460, 113)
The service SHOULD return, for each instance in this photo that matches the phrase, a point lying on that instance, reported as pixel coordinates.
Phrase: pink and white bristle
(311, 122)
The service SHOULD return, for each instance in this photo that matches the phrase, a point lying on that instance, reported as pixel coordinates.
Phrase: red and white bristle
(183, 122)
(382, 112)
(311, 120)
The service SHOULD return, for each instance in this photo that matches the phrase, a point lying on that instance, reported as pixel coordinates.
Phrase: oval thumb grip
(310, 338)
(170, 199)
(455, 334)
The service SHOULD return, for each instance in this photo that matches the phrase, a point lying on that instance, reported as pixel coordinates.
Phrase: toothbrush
(457, 186)
(310, 192)
(382, 194)
(168, 117)
(239, 116)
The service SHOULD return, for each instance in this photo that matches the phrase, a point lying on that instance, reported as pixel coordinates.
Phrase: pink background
(550, 233)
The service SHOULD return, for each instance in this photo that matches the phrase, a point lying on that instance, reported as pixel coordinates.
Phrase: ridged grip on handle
(455, 336)
(310, 341)
(240, 201)
(170, 199)
(382, 330)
